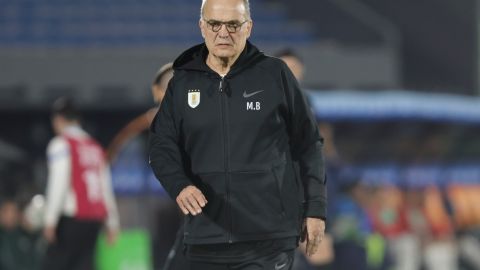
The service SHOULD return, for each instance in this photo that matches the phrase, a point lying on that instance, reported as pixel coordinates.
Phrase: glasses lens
(215, 26)
(231, 27)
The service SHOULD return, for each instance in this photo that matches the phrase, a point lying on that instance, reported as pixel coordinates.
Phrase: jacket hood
(195, 57)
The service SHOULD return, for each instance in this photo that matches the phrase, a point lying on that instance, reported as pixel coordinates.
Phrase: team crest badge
(193, 97)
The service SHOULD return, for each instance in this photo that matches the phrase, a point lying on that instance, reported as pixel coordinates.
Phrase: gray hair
(246, 4)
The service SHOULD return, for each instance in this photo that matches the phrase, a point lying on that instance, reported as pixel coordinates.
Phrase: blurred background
(394, 85)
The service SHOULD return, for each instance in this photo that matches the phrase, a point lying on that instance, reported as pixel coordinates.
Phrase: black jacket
(239, 141)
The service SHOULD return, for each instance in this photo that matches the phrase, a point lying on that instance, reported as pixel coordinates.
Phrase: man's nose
(223, 32)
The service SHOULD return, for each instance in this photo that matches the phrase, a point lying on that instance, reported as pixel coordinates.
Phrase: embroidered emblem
(193, 98)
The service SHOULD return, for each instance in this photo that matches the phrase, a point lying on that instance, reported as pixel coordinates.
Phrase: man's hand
(313, 231)
(191, 200)
(49, 234)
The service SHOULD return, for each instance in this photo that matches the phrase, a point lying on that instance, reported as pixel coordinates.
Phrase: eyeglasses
(232, 26)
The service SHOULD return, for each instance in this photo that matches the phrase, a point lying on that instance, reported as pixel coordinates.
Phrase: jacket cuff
(315, 210)
(178, 187)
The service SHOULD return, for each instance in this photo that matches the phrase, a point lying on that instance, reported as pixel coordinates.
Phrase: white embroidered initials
(253, 106)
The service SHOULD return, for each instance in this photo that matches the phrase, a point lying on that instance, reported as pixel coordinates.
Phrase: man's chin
(224, 52)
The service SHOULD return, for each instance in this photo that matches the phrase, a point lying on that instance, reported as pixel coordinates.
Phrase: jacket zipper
(226, 155)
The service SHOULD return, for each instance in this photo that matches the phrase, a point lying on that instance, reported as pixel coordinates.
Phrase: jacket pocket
(279, 185)
(255, 203)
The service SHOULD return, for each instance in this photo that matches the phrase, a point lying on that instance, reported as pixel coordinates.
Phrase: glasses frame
(220, 24)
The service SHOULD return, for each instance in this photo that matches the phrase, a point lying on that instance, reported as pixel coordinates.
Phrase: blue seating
(87, 23)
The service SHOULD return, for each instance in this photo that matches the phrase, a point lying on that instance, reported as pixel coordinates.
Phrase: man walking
(236, 145)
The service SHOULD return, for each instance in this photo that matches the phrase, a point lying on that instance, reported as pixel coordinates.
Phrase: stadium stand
(125, 23)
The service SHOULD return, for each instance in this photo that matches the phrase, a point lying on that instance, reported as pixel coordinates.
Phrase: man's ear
(249, 28)
(200, 24)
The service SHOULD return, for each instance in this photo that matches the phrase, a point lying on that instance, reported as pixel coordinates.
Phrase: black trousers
(282, 260)
(74, 247)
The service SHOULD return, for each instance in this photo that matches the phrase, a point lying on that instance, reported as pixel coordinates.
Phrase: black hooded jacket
(248, 141)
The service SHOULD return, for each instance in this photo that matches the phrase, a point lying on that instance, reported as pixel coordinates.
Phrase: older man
(235, 144)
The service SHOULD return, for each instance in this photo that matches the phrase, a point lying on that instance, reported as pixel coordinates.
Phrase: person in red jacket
(79, 197)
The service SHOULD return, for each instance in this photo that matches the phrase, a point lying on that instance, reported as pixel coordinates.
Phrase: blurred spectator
(79, 193)
(20, 247)
(168, 214)
(9, 215)
(388, 216)
(293, 61)
(432, 229)
(463, 200)
(351, 225)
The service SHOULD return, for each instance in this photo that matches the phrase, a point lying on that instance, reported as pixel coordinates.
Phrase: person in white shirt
(79, 197)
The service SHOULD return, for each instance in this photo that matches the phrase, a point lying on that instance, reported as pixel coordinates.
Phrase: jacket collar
(195, 58)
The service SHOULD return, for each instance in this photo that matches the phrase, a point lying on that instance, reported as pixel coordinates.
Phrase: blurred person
(323, 258)
(293, 61)
(79, 196)
(142, 122)
(174, 255)
(351, 224)
(389, 218)
(462, 200)
(223, 144)
(352, 228)
(9, 224)
(9, 214)
(468, 245)
(21, 248)
(432, 228)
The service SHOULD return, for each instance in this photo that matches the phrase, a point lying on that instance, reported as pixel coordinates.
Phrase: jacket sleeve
(59, 170)
(306, 144)
(165, 148)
